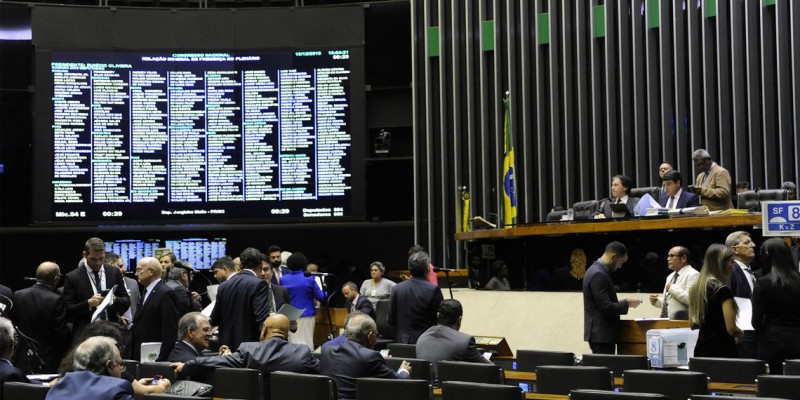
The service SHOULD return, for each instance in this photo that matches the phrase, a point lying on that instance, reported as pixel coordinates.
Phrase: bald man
(156, 320)
(41, 313)
(272, 353)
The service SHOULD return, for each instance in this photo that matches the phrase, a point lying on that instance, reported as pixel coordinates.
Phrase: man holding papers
(674, 196)
(742, 283)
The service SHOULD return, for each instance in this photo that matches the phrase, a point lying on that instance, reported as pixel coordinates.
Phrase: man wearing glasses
(674, 301)
(742, 282)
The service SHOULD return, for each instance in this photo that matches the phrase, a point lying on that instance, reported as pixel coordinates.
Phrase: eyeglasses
(673, 255)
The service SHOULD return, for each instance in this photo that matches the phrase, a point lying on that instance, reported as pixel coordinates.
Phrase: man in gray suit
(445, 342)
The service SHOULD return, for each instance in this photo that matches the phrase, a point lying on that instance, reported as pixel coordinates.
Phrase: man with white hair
(156, 319)
(713, 183)
(8, 372)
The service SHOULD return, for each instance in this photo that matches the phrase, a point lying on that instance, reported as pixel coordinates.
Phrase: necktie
(98, 284)
(271, 296)
(750, 277)
(618, 201)
(671, 199)
(141, 298)
(664, 305)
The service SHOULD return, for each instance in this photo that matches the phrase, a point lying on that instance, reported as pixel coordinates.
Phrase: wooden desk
(632, 337)
(321, 326)
(437, 394)
(640, 224)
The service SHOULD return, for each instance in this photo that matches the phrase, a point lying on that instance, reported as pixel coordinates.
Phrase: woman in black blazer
(776, 314)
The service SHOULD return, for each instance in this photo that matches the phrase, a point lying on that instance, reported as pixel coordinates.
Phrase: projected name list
(200, 129)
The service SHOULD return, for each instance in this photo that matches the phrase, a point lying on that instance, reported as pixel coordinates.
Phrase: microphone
(437, 269)
(316, 274)
(28, 278)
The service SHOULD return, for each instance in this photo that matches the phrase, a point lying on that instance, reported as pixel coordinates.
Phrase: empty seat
(560, 379)
(402, 350)
(420, 369)
(151, 369)
(678, 385)
(729, 370)
(238, 383)
(748, 200)
(617, 363)
(591, 394)
(784, 386)
(791, 367)
(584, 210)
(393, 389)
(480, 391)
(293, 386)
(470, 372)
(27, 391)
(529, 360)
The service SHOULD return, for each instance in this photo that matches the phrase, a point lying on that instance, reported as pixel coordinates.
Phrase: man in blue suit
(601, 308)
(675, 197)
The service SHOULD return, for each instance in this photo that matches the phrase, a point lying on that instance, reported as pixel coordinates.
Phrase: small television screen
(132, 250)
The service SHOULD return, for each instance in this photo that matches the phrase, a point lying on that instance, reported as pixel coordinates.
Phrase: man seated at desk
(620, 194)
(675, 197)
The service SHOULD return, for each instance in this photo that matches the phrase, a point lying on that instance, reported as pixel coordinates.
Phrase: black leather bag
(190, 388)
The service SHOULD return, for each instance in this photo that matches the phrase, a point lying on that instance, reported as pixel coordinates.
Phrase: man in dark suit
(194, 331)
(272, 353)
(444, 342)
(414, 302)
(179, 279)
(278, 269)
(277, 295)
(354, 301)
(601, 308)
(241, 307)
(8, 372)
(5, 297)
(620, 194)
(41, 314)
(85, 286)
(114, 260)
(742, 283)
(674, 196)
(355, 358)
(156, 320)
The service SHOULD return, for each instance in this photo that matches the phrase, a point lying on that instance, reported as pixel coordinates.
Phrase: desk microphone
(437, 269)
(317, 274)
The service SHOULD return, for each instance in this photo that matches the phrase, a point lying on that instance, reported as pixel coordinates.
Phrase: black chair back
(151, 369)
(729, 370)
(420, 369)
(470, 372)
(560, 379)
(641, 191)
(748, 200)
(293, 386)
(782, 386)
(480, 391)
(529, 360)
(773, 195)
(677, 385)
(402, 350)
(584, 210)
(554, 216)
(393, 389)
(591, 394)
(238, 383)
(617, 363)
(386, 329)
(791, 367)
(27, 391)
(162, 396)
(132, 366)
(712, 397)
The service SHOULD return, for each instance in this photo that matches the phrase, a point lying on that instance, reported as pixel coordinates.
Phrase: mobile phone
(385, 353)
(525, 387)
(156, 379)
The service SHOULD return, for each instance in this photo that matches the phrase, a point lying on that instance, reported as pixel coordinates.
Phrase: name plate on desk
(495, 344)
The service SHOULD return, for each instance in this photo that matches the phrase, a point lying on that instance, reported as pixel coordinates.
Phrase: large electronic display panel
(201, 136)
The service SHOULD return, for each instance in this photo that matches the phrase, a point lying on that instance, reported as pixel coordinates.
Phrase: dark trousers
(748, 345)
(603, 348)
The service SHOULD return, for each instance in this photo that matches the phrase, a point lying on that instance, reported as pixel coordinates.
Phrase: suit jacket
(686, 199)
(678, 300)
(738, 282)
(5, 291)
(10, 373)
(281, 295)
(362, 304)
(601, 308)
(413, 308)
(183, 352)
(631, 203)
(185, 302)
(78, 288)
(241, 309)
(133, 293)
(41, 313)
(349, 361)
(156, 321)
(274, 354)
(89, 385)
(716, 194)
(443, 343)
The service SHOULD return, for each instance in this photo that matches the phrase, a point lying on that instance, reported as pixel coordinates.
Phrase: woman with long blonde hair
(712, 308)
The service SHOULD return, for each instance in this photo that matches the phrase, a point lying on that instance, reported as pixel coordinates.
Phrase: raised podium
(632, 337)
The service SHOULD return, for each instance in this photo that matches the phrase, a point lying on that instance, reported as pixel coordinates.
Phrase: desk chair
(591, 394)
(677, 385)
(386, 329)
(729, 370)
(783, 386)
(470, 372)
(529, 360)
(559, 379)
(480, 391)
(27, 391)
(420, 369)
(617, 363)
(772, 195)
(584, 210)
(641, 191)
(238, 383)
(393, 389)
(151, 369)
(791, 367)
(293, 386)
(748, 200)
(132, 366)
(402, 350)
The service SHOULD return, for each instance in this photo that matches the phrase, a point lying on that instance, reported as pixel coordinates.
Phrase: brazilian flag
(509, 179)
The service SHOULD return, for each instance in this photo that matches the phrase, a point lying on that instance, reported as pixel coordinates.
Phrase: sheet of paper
(104, 304)
(744, 320)
(290, 312)
(212, 292)
(209, 308)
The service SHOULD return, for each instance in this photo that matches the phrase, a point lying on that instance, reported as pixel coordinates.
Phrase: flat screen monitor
(199, 252)
(131, 250)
